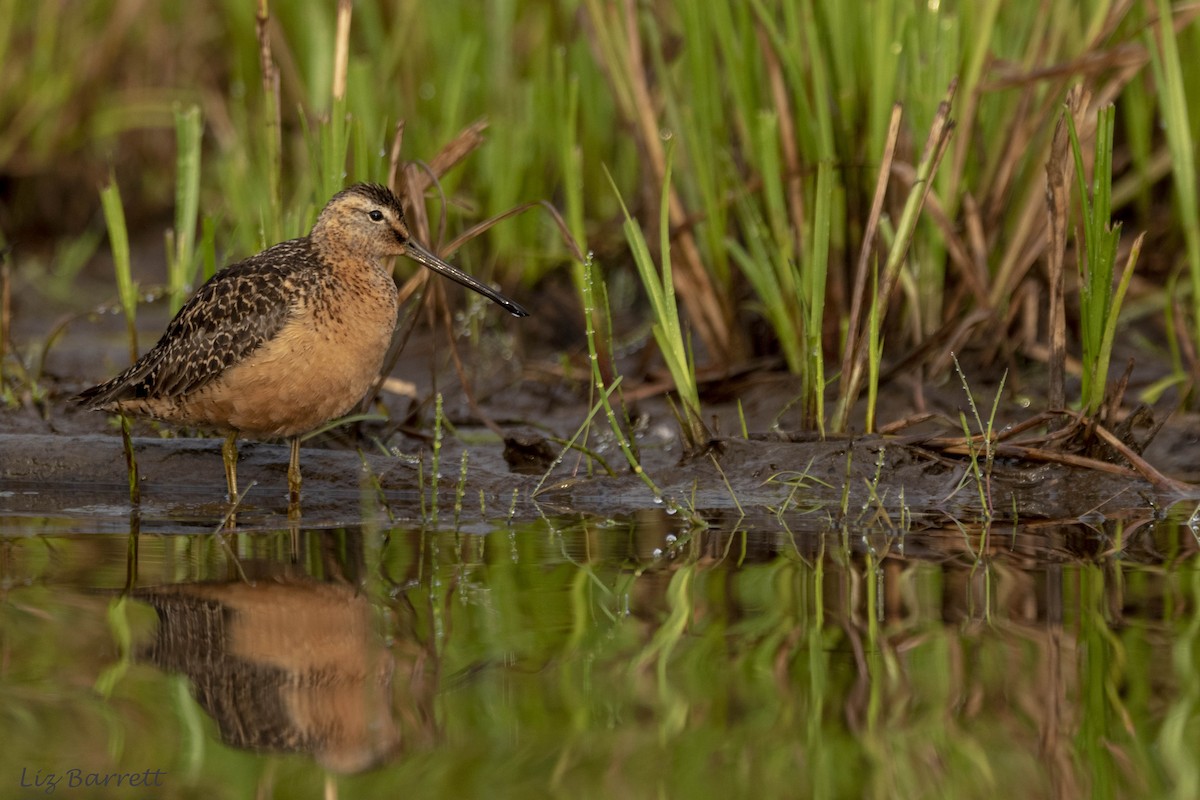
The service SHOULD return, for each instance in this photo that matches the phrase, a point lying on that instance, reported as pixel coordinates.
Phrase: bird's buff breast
(316, 369)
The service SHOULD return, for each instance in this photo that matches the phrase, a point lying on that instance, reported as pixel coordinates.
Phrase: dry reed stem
(1026, 453)
(341, 55)
(976, 238)
(270, 73)
(1038, 451)
(415, 178)
(394, 159)
(858, 294)
(1159, 481)
(1059, 168)
(857, 343)
(955, 246)
(1028, 240)
(482, 227)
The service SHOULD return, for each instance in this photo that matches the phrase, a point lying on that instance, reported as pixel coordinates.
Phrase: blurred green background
(744, 101)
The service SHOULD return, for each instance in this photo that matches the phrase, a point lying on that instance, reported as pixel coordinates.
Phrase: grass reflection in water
(631, 658)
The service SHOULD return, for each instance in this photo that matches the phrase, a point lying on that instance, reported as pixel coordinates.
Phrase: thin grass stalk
(1173, 102)
(987, 434)
(772, 280)
(1109, 335)
(884, 70)
(976, 473)
(341, 53)
(935, 147)
(581, 433)
(875, 352)
(977, 52)
(5, 314)
(813, 280)
(460, 489)
(208, 248)
(1101, 237)
(787, 42)
(118, 240)
(706, 306)
(667, 329)
(435, 476)
(590, 311)
(787, 140)
(181, 257)
(1058, 205)
(935, 43)
(273, 125)
(572, 223)
(820, 60)
(1137, 113)
(135, 485)
(773, 198)
(743, 72)
(702, 120)
(334, 148)
(335, 131)
(867, 264)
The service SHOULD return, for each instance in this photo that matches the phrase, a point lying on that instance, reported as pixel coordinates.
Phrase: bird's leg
(294, 473)
(229, 455)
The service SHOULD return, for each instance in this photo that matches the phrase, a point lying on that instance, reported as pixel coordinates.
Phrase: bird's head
(366, 220)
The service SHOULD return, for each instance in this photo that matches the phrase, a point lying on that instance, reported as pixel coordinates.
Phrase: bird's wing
(228, 318)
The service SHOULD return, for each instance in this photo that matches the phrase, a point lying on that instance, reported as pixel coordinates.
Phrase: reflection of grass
(562, 657)
(131, 469)
(1181, 725)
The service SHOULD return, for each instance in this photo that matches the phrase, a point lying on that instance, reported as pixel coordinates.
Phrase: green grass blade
(118, 240)
(1168, 75)
(181, 262)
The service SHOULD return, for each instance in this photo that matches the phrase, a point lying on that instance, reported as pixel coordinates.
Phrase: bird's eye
(376, 215)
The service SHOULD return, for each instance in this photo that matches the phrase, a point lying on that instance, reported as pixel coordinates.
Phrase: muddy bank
(79, 483)
(63, 467)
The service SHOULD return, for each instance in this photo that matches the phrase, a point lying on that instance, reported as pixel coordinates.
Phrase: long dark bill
(427, 259)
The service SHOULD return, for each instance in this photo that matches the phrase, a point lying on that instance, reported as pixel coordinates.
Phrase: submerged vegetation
(828, 189)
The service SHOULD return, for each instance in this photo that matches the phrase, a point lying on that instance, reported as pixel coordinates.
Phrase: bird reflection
(283, 665)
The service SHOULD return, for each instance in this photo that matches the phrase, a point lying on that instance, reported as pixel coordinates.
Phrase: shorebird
(279, 344)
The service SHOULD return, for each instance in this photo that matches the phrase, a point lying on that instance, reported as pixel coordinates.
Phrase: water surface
(633, 657)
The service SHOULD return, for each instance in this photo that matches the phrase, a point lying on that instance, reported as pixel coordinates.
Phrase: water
(578, 657)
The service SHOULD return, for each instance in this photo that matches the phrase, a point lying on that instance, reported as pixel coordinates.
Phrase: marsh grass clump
(853, 195)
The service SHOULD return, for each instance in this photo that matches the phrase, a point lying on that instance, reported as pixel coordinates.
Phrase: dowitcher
(281, 343)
